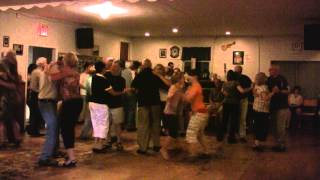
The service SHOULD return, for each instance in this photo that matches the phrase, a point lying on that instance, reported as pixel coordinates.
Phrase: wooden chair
(309, 110)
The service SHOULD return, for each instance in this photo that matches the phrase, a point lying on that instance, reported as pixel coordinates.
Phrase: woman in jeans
(71, 107)
(231, 90)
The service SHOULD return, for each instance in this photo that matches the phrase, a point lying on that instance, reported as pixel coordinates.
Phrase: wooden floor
(302, 161)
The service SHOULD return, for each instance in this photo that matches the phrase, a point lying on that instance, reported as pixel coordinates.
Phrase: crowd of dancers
(110, 96)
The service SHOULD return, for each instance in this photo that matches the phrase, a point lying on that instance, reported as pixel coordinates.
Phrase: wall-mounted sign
(297, 46)
(238, 57)
(6, 41)
(43, 30)
(18, 48)
(163, 53)
(174, 51)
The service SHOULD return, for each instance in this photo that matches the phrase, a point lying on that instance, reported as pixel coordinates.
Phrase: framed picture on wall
(174, 51)
(238, 57)
(6, 41)
(18, 48)
(163, 53)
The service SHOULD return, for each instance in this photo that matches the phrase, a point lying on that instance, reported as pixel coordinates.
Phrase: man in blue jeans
(48, 107)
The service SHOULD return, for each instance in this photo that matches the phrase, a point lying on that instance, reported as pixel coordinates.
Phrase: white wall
(109, 43)
(22, 29)
(143, 48)
(259, 52)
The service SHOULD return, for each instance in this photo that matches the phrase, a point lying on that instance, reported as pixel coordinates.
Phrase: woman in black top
(98, 106)
(99, 109)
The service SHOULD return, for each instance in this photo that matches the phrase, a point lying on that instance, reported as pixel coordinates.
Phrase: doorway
(36, 52)
(124, 51)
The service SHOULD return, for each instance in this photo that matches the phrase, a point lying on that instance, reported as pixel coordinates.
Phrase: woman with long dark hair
(12, 106)
(231, 91)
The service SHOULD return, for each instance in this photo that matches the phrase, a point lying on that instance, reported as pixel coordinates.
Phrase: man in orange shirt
(199, 117)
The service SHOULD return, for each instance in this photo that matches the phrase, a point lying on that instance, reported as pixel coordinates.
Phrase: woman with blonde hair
(71, 106)
(261, 102)
(160, 70)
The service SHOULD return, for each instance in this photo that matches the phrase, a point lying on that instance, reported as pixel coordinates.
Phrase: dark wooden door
(124, 51)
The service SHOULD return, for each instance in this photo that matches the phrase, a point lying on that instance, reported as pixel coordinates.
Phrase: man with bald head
(245, 82)
(35, 115)
(279, 107)
(115, 103)
(147, 84)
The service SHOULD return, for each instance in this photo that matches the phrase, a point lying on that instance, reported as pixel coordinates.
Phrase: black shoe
(156, 148)
(232, 141)
(119, 147)
(59, 154)
(243, 140)
(257, 148)
(107, 146)
(131, 129)
(70, 164)
(99, 151)
(48, 162)
(141, 152)
(36, 135)
(219, 138)
(279, 148)
(204, 156)
(113, 140)
(3, 146)
(17, 144)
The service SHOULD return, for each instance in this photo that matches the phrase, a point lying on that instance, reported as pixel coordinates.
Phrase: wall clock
(174, 51)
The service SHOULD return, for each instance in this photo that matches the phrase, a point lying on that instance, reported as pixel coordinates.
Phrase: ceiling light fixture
(175, 30)
(147, 34)
(105, 10)
(228, 33)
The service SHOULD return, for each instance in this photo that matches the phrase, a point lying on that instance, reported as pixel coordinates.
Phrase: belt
(47, 100)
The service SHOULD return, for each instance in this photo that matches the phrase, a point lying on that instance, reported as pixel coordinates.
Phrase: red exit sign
(43, 30)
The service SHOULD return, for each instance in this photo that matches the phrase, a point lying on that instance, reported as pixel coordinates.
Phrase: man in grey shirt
(35, 115)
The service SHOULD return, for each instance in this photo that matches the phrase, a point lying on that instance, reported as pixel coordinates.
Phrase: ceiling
(192, 17)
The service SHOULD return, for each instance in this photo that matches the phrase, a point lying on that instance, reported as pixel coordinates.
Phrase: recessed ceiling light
(228, 33)
(105, 10)
(147, 34)
(175, 30)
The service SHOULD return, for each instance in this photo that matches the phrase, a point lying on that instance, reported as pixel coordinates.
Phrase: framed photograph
(238, 57)
(6, 41)
(18, 48)
(163, 53)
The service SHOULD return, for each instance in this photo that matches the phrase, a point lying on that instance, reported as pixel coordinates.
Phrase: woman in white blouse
(295, 101)
(261, 103)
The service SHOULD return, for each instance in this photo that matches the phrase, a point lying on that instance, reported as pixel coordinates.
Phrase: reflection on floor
(302, 161)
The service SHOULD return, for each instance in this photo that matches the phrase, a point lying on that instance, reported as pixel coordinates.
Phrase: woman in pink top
(174, 98)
